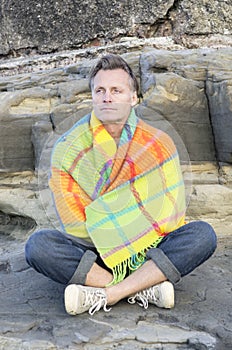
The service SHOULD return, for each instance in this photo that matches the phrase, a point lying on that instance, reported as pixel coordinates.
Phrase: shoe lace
(97, 299)
(142, 298)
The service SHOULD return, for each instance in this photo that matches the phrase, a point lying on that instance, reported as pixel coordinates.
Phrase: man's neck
(115, 130)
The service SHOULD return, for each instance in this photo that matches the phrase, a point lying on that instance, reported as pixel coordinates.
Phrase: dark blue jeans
(62, 259)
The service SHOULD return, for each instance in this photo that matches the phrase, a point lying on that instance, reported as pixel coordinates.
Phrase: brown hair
(111, 62)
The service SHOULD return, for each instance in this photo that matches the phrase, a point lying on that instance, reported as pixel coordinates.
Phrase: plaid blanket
(124, 198)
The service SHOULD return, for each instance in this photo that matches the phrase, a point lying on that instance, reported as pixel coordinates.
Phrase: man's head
(114, 89)
(111, 62)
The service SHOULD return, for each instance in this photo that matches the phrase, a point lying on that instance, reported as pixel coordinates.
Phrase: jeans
(62, 259)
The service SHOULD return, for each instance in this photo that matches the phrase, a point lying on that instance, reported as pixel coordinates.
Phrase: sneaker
(78, 299)
(162, 295)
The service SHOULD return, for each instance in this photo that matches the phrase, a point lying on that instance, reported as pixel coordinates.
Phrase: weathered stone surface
(213, 204)
(220, 103)
(57, 25)
(202, 17)
(32, 314)
(19, 111)
(206, 173)
(16, 344)
(225, 177)
(174, 90)
(60, 25)
(193, 93)
(159, 334)
(32, 64)
(182, 93)
(25, 203)
(25, 109)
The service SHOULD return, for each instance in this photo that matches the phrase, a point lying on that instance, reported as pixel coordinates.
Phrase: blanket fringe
(128, 266)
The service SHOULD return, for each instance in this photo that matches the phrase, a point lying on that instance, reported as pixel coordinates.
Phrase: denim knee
(34, 247)
(207, 237)
(56, 256)
(184, 249)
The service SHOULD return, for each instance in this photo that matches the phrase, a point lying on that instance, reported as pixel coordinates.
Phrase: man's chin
(109, 117)
(112, 113)
(109, 120)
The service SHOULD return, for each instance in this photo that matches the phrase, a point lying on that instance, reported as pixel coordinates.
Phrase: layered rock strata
(187, 93)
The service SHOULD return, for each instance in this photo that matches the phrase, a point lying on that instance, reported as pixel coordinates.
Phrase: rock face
(47, 26)
(220, 92)
(187, 93)
(199, 85)
(185, 88)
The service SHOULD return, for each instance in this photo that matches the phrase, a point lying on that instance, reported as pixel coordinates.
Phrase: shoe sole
(71, 295)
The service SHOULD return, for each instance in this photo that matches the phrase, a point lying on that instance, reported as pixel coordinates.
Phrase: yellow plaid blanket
(124, 198)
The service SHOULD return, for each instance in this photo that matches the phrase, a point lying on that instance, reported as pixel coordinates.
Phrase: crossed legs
(178, 254)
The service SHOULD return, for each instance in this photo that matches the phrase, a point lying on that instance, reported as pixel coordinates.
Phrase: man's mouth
(108, 109)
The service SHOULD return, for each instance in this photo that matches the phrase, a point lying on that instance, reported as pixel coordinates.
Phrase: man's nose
(107, 96)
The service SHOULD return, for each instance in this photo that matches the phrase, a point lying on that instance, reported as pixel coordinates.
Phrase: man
(119, 194)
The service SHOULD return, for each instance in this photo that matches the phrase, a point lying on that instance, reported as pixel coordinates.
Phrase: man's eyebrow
(119, 86)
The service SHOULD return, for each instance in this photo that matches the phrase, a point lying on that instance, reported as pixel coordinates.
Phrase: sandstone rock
(40, 133)
(20, 205)
(219, 91)
(42, 106)
(200, 90)
(24, 110)
(212, 203)
(19, 111)
(69, 59)
(225, 173)
(204, 173)
(173, 87)
(182, 104)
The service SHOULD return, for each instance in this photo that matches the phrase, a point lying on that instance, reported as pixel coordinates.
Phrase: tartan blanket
(124, 198)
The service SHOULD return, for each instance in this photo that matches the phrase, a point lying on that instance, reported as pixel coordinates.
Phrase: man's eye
(117, 91)
(99, 91)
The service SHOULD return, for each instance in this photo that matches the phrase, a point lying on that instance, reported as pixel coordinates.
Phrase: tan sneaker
(162, 295)
(78, 299)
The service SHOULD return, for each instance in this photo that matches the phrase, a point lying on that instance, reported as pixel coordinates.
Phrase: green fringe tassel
(130, 265)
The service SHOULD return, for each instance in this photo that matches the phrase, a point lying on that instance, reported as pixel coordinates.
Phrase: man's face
(112, 96)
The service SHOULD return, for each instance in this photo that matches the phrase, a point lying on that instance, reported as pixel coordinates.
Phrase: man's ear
(134, 99)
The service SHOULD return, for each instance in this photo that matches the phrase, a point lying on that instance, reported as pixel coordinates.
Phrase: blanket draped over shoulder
(124, 198)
